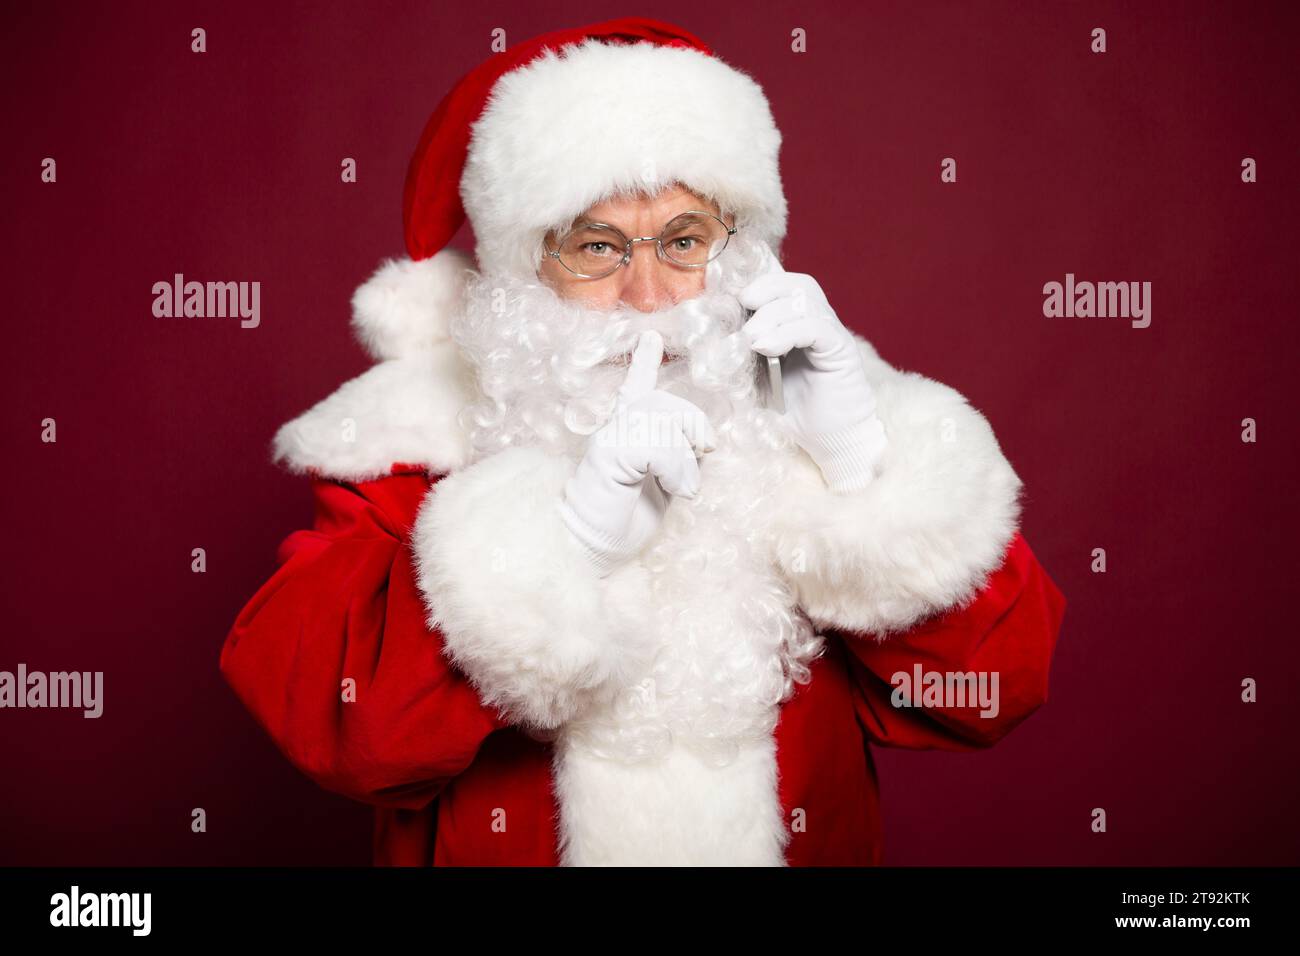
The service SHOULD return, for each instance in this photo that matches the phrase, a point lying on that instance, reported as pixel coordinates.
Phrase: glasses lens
(692, 239)
(592, 250)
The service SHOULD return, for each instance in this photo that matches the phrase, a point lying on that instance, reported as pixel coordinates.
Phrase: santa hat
(540, 132)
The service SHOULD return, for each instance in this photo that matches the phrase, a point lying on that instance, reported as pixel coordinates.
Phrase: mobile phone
(776, 395)
(774, 382)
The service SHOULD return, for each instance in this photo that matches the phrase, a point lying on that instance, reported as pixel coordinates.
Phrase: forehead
(657, 208)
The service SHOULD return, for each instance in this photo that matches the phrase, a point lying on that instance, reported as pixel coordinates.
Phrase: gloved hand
(613, 503)
(829, 404)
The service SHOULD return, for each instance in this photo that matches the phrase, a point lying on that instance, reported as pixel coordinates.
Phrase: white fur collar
(404, 410)
(400, 412)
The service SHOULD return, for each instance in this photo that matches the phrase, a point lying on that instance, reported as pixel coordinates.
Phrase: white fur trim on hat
(406, 305)
(570, 129)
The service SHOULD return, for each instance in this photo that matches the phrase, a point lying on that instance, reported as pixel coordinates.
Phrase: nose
(648, 282)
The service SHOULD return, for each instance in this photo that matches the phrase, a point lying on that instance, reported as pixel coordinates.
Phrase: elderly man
(590, 583)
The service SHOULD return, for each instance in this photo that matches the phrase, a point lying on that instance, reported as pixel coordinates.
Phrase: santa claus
(591, 583)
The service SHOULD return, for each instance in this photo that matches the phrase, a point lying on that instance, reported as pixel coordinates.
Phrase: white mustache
(675, 324)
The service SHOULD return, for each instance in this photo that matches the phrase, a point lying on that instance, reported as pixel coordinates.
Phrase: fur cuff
(520, 609)
(923, 536)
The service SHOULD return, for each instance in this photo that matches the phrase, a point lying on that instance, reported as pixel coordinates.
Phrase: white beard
(548, 369)
(733, 645)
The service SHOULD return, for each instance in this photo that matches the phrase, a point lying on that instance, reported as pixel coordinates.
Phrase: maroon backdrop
(225, 166)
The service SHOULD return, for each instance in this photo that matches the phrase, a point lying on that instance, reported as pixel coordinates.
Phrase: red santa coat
(450, 660)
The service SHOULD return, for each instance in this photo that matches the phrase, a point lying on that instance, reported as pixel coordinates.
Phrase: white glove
(612, 505)
(829, 404)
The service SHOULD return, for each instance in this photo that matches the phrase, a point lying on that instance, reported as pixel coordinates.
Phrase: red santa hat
(540, 132)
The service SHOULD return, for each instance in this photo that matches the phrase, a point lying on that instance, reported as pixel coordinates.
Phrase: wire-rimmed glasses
(593, 250)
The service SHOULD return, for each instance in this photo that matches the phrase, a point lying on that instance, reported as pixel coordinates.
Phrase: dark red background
(225, 166)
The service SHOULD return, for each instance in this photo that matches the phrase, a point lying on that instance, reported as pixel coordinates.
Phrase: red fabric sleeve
(343, 604)
(1010, 627)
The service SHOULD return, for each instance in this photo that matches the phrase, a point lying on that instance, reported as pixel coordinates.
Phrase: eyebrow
(588, 221)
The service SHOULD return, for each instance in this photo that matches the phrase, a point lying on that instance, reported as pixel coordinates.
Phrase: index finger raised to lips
(643, 372)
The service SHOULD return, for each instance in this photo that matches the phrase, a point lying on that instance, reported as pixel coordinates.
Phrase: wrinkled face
(647, 283)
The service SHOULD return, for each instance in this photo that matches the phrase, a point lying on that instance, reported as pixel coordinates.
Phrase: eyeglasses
(593, 250)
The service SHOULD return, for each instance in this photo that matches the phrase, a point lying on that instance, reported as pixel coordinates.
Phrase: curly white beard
(548, 368)
(733, 643)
